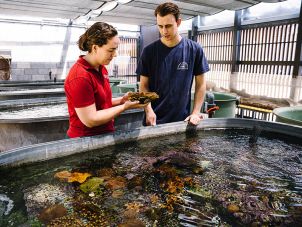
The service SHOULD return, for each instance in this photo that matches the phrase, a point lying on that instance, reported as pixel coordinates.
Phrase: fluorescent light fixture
(108, 6)
(124, 1)
(96, 12)
(83, 19)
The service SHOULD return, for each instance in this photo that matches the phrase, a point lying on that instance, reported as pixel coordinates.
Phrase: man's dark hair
(167, 8)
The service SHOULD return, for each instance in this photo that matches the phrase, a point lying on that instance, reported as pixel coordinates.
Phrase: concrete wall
(38, 70)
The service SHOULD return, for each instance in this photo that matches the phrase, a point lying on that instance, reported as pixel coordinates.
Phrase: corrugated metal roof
(140, 12)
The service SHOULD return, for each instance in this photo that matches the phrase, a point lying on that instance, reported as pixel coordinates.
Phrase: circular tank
(30, 87)
(31, 121)
(289, 115)
(61, 148)
(248, 172)
(32, 93)
(20, 83)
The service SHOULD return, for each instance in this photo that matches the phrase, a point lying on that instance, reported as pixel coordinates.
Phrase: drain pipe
(209, 105)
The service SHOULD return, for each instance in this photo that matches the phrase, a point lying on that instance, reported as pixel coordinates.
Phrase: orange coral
(134, 206)
(72, 177)
(154, 198)
(175, 185)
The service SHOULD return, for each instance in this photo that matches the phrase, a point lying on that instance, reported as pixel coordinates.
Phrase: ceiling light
(97, 12)
(108, 6)
(124, 1)
(84, 19)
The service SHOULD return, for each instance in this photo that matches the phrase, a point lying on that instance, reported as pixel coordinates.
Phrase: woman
(90, 104)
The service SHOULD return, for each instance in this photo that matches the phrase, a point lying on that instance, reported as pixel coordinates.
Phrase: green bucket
(114, 82)
(289, 115)
(124, 88)
(226, 103)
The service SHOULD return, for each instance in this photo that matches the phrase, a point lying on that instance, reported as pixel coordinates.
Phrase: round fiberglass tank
(31, 121)
(224, 172)
(289, 115)
(21, 83)
(61, 148)
(30, 87)
(32, 93)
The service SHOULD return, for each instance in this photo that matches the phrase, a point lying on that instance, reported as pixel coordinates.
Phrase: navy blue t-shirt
(170, 71)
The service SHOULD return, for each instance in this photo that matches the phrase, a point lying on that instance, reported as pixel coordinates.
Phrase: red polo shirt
(84, 86)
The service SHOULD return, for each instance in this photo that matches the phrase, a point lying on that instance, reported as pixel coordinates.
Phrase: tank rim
(61, 148)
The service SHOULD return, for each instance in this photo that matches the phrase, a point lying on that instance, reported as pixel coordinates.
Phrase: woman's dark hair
(98, 34)
(167, 8)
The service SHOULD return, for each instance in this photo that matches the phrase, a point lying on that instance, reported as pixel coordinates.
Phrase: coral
(44, 195)
(72, 177)
(142, 97)
(92, 185)
(116, 183)
(52, 212)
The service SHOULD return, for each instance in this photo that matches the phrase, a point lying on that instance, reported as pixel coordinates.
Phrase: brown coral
(50, 213)
(142, 97)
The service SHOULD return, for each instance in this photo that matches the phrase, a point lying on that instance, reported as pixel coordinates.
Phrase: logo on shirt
(182, 66)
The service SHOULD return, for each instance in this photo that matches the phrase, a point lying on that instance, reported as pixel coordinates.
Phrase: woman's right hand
(134, 105)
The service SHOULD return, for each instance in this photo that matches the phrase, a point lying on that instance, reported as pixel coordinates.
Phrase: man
(168, 67)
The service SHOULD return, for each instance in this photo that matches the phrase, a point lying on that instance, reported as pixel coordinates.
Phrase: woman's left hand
(125, 98)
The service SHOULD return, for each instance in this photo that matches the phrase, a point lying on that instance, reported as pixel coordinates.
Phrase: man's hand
(194, 119)
(150, 117)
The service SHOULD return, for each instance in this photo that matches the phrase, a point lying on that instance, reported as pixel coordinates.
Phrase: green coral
(92, 185)
(200, 192)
